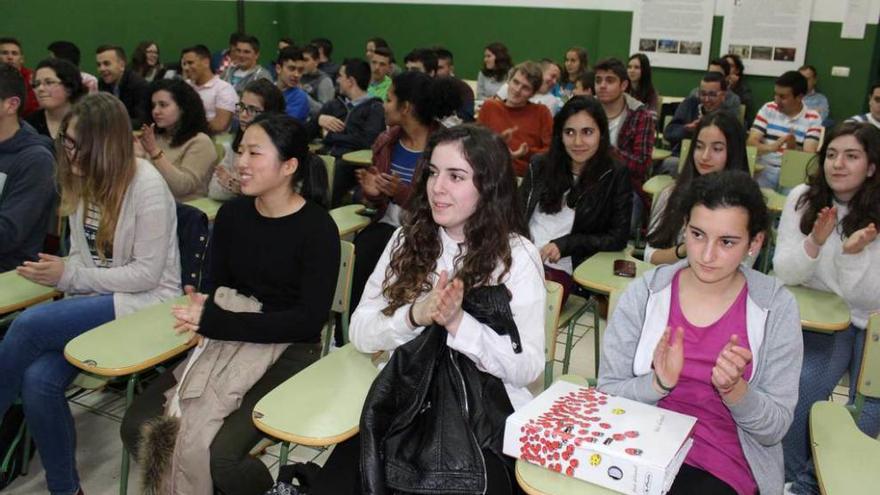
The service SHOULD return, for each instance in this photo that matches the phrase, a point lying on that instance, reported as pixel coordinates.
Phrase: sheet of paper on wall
(673, 33)
(855, 19)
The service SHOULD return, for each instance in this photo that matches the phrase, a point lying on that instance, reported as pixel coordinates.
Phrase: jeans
(769, 177)
(826, 359)
(32, 365)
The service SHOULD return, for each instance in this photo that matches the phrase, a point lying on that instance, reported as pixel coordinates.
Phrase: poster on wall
(769, 35)
(673, 33)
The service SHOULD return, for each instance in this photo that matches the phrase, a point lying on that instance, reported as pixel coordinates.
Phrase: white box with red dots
(617, 443)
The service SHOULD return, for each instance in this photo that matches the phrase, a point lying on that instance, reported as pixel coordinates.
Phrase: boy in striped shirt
(873, 116)
(784, 123)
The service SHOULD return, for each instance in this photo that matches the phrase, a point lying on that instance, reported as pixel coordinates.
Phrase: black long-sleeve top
(290, 264)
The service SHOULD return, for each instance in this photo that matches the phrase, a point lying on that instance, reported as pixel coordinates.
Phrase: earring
(750, 253)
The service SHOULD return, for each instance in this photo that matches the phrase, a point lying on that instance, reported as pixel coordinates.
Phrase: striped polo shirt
(774, 124)
(866, 118)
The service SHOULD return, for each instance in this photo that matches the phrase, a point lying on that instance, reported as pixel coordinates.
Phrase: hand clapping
(442, 305)
(729, 367)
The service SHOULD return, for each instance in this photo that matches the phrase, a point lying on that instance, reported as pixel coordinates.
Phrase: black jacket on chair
(602, 212)
(363, 124)
(431, 416)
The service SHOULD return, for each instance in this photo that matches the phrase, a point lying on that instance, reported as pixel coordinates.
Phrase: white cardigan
(146, 260)
(372, 331)
(853, 277)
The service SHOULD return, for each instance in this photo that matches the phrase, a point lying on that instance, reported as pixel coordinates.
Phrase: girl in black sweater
(275, 258)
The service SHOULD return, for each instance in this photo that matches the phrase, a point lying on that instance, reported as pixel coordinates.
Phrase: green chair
(845, 458)
(752, 157)
(221, 151)
(341, 297)
(685, 149)
(330, 163)
(795, 166)
(574, 308)
(551, 326)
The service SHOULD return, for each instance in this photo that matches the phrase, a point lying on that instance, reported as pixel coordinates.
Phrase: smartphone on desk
(625, 268)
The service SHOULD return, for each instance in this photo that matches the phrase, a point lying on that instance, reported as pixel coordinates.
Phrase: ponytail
(291, 140)
(311, 179)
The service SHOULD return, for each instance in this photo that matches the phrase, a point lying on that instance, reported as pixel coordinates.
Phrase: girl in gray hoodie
(712, 339)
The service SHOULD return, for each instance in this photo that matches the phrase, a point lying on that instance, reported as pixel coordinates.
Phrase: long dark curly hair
(555, 166)
(864, 207)
(192, 110)
(487, 232)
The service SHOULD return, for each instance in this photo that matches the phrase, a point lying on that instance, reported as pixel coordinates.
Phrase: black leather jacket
(431, 417)
(601, 218)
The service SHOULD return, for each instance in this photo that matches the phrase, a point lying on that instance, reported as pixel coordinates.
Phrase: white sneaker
(786, 489)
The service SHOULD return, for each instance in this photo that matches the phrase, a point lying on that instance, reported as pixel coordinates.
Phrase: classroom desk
(17, 292)
(660, 154)
(672, 100)
(821, 311)
(315, 146)
(845, 458)
(207, 205)
(657, 183)
(361, 158)
(127, 346)
(774, 200)
(596, 274)
(538, 480)
(321, 405)
(348, 219)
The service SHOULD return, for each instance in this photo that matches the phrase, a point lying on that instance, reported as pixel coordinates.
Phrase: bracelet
(677, 251)
(158, 155)
(411, 320)
(661, 385)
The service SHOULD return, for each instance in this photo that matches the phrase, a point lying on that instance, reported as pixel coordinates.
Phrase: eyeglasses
(49, 83)
(241, 107)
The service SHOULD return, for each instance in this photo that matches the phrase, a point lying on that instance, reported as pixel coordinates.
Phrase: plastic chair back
(330, 163)
(794, 167)
(752, 157)
(551, 323)
(682, 157)
(869, 374)
(341, 297)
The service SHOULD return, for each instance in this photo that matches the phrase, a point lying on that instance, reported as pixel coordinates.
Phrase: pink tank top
(716, 448)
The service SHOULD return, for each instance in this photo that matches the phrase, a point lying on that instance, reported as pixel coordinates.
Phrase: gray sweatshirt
(774, 330)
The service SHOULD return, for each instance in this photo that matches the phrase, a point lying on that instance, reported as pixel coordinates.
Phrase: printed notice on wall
(769, 35)
(855, 19)
(673, 33)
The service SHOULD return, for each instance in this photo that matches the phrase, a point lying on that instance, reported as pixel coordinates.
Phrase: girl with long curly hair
(463, 240)
(828, 241)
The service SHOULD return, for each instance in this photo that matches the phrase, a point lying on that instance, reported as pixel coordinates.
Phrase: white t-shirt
(548, 226)
(614, 126)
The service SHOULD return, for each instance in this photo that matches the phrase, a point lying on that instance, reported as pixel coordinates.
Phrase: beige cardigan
(193, 163)
(146, 260)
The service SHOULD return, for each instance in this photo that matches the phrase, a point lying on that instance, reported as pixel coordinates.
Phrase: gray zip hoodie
(774, 330)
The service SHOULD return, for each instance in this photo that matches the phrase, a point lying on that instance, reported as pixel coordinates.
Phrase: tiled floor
(99, 448)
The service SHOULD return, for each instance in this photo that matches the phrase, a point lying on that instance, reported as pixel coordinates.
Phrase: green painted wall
(529, 32)
(175, 24)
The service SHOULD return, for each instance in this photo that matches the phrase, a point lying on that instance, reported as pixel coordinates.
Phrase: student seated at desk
(719, 145)
(415, 106)
(827, 241)
(123, 257)
(275, 260)
(464, 246)
(711, 338)
(176, 139)
(259, 97)
(576, 198)
(496, 65)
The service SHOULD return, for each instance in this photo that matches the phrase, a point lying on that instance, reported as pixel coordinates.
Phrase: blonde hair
(104, 162)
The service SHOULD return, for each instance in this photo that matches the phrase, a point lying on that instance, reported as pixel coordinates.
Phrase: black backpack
(15, 453)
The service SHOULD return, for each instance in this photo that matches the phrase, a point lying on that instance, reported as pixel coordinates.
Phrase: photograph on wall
(673, 33)
(775, 30)
(646, 45)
